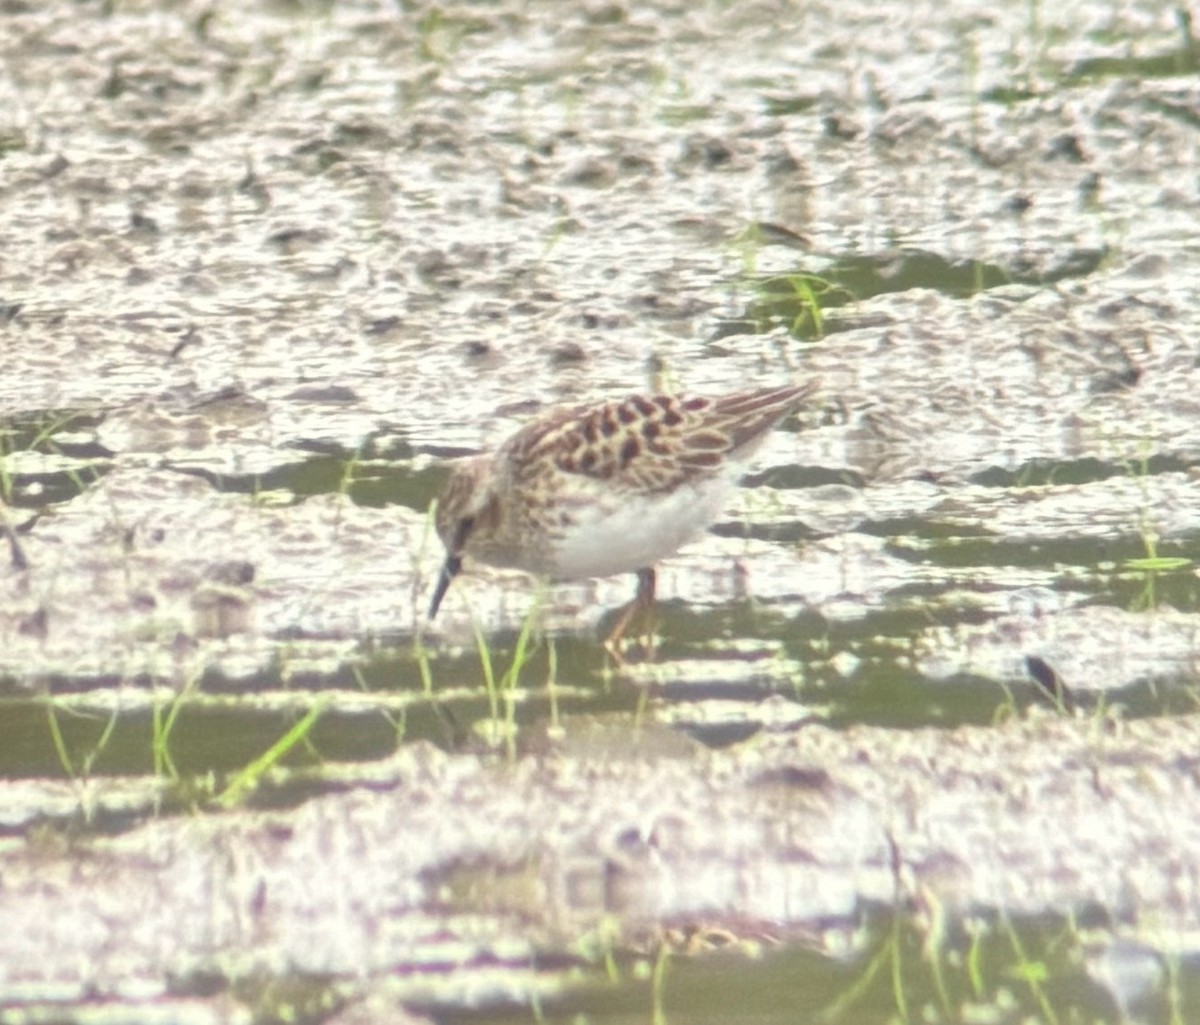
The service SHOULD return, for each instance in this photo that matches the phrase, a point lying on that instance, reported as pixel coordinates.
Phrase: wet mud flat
(923, 706)
(619, 838)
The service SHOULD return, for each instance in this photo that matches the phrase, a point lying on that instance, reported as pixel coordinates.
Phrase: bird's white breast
(628, 532)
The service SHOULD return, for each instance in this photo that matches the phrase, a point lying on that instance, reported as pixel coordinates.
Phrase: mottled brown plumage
(604, 488)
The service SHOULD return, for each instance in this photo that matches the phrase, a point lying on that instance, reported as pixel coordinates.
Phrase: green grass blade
(248, 778)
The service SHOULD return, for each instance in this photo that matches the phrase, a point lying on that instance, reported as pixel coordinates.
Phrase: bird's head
(467, 509)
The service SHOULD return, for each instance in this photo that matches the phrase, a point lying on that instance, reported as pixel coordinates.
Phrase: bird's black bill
(449, 571)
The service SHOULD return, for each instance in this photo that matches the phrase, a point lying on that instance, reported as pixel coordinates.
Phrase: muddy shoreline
(266, 272)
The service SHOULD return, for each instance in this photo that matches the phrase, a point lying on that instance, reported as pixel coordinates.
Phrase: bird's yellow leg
(641, 607)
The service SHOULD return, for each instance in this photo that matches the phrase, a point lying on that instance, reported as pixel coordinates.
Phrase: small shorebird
(610, 487)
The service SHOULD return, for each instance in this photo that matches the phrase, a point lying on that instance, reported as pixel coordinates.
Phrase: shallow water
(268, 272)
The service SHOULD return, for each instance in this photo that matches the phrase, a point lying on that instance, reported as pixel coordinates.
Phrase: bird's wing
(649, 443)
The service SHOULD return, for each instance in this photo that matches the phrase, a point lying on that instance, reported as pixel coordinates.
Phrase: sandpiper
(604, 488)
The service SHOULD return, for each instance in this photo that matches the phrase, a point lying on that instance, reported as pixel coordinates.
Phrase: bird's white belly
(633, 532)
